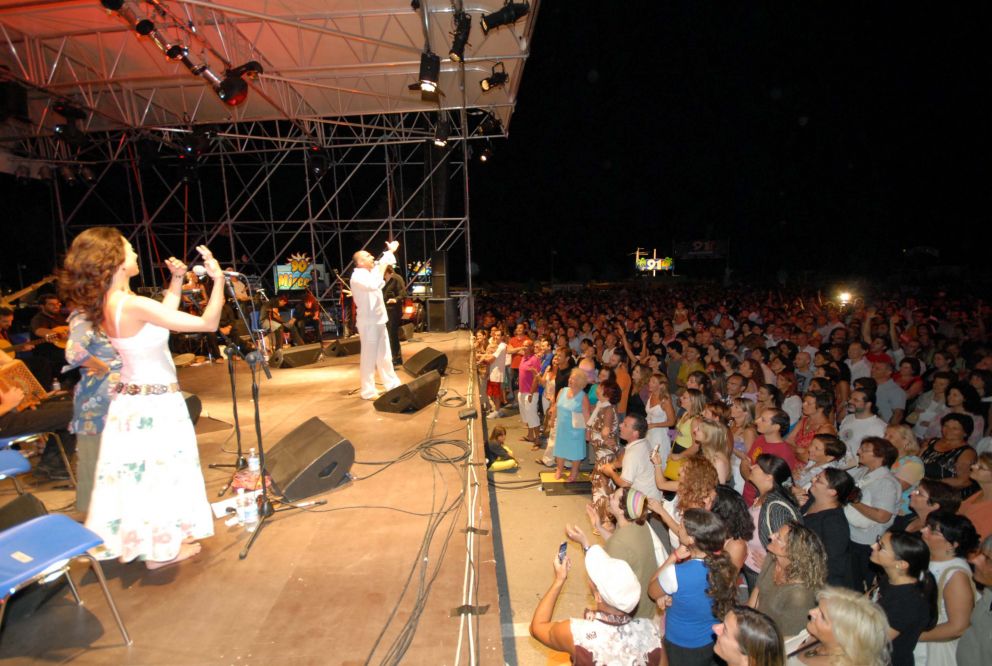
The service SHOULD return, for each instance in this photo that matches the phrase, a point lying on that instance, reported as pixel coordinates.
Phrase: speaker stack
(295, 357)
(312, 459)
(425, 360)
(412, 396)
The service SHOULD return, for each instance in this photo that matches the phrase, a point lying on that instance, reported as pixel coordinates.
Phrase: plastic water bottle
(251, 513)
(56, 385)
(240, 505)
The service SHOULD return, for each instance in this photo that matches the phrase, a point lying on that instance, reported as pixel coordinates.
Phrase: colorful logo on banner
(654, 263)
(298, 273)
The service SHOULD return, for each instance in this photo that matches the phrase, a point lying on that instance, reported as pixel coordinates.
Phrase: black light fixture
(87, 174)
(463, 26)
(498, 78)
(430, 71)
(68, 174)
(112, 5)
(318, 161)
(509, 14)
(441, 133)
(486, 154)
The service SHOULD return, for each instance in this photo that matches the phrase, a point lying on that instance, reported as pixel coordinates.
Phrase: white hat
(614, 579)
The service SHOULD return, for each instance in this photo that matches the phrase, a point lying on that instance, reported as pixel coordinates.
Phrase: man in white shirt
(637, 470)
(366, 288)
(863, 422)
(877, 507)
(856, 361)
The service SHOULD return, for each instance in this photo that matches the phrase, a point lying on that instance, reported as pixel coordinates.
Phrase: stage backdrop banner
(298, 274)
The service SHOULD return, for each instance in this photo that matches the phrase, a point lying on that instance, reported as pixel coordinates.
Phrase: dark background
(816, 137)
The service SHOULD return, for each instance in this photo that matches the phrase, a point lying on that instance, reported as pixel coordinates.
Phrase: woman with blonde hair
(852, 631)
(571, 415)
(908, 467)
(712, 440)
(794, 571)
(660, 415)
(742, 434)
(692, 401)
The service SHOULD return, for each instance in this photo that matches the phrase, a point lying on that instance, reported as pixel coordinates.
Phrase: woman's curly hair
(807, 557)
(698, 480)
(88, 269)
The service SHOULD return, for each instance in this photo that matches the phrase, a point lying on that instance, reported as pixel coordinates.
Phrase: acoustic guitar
(6, 301)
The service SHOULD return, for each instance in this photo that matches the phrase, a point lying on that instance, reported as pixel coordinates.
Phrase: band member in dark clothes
(393, 292)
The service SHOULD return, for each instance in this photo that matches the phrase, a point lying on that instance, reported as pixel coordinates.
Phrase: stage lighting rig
(430, 71)
(463, 26)
(486, 154)
(498, 78)
(508, 15)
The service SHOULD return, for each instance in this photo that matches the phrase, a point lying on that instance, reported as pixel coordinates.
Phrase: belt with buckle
(146, 389)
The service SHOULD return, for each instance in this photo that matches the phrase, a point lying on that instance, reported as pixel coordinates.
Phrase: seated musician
(194, 294)
(46, 416)
(49, 323)
(39, 366)
(276, 316)
(232, 330)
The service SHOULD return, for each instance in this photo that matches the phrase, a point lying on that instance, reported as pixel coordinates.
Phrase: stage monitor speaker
(312, 459)
(194, 405)
(439, 274)
(412, 396)
(295, 357)
(406, 332)
(425, 360)
(20, 510)
(344, 347)
(442, 314)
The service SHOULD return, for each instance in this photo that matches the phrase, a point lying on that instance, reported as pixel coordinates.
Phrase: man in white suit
(366, 287)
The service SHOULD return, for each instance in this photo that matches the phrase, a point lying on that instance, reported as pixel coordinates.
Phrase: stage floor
(319, 586)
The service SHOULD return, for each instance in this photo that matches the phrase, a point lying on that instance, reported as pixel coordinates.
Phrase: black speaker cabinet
(294, 357)
(425, 360)
(439, 274)
(312, 459)
(406, 332)
(442, 314)
(344, 347)
(412, 396)
(194, 405)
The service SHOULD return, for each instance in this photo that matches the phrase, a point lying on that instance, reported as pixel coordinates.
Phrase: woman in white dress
(660, 416)
(149, 500)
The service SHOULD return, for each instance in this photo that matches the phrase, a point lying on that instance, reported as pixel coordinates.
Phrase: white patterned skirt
(149, 493)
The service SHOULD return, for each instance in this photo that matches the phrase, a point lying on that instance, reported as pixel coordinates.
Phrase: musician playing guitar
(39, 366)
(49, 323)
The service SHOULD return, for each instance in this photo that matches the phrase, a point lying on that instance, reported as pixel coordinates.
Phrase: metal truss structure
(331, 152)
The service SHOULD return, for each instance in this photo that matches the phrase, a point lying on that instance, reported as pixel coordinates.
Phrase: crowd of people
(774, 478)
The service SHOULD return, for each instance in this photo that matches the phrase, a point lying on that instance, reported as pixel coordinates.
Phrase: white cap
(614, 579)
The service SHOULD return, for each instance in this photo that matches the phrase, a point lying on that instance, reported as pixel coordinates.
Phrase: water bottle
(241, 505)
(56, 385)
(251, 513)
(254, 468)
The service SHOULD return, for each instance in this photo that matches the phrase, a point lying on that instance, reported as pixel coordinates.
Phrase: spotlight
(68, 175)
(463, 26)
(844, 297)
(144, 27)
(441, 133)
(318, 161)
(509, 14)
(70, 133)
(64, 108)
(44, 172)
(22, 173)
(498, 78)
(176, 52)
(430, 71)
(112, 5)
(232, 90)
(486, 154)
(251, 69)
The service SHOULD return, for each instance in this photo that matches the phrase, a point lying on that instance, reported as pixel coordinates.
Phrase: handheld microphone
(201, 273)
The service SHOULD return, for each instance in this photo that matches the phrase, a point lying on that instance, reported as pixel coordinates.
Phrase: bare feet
(186, 551)
(573, 477)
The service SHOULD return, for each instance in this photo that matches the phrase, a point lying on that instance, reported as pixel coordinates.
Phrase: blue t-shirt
(689, 622)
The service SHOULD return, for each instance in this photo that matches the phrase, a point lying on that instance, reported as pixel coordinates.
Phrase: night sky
(813, 136)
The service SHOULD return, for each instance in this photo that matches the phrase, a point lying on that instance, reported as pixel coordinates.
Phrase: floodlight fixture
(498, 78)
(87, 174)
(112, 5)
(441, 133)
(486, 154)
(508, 15)
(68, 174)
(463, 26)
(144, 27)
(430, 71)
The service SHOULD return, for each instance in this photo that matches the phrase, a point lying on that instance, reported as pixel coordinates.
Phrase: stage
(320, 585)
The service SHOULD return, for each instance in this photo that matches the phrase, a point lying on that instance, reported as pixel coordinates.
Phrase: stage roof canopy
(322, 60)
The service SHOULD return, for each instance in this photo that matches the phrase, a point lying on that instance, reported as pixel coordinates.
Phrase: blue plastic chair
(42, 549)
(7, 442)
(12, 465)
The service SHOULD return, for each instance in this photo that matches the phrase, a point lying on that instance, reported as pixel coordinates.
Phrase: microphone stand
(231, 350)
(345, 328)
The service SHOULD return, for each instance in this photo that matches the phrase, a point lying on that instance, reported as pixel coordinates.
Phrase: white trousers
(376, 355)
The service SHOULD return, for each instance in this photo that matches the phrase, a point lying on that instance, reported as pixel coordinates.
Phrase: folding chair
(42, 549)
(12, 465)
(40, 437)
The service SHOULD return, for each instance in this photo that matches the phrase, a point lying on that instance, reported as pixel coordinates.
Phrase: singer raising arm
(174, 294)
